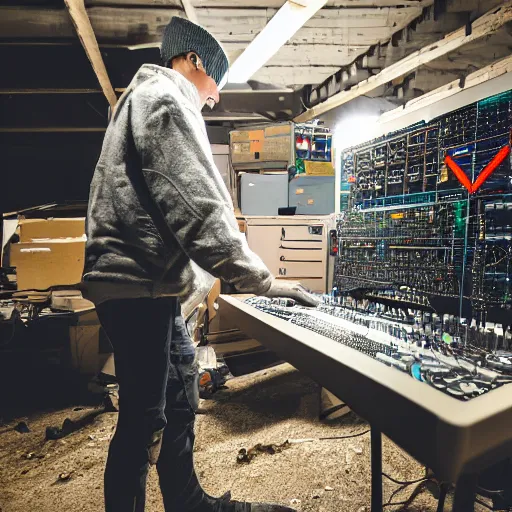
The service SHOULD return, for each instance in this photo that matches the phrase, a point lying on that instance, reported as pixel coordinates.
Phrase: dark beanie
(182, 36)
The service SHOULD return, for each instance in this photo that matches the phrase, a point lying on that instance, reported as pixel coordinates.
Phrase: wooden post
(85, 32)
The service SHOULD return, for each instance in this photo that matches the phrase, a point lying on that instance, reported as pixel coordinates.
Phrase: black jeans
(158, 396)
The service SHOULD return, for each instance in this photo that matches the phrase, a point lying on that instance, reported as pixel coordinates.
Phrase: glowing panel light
(284, 24)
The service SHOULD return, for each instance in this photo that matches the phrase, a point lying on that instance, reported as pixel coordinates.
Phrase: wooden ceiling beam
(487, 24)
(494, 70)
(190, 11)
(85, 32)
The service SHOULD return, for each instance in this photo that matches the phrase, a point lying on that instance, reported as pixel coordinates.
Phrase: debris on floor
(275, 404)
(66, 476)
(69, 426)
(245, 456)
(22, 428)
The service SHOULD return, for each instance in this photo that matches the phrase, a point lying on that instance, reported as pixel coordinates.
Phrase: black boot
(226, 504)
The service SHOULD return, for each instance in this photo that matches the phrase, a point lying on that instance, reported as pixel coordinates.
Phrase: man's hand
(293, 290)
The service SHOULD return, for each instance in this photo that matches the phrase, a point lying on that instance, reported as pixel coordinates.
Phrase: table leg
(443, 489)
(465, 493)
(376, 458)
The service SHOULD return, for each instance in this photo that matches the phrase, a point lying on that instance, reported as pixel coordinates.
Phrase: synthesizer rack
(429, 215)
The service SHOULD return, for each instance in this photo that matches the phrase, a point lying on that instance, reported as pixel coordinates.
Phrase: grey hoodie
(160, 219)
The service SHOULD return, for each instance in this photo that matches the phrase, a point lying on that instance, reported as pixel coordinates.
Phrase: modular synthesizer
(428, 212)
(441, 350)
(423, 259)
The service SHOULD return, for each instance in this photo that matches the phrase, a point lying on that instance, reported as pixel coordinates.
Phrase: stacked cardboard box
(50, 252)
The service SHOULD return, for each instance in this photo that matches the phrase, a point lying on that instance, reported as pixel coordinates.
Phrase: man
(160, 223)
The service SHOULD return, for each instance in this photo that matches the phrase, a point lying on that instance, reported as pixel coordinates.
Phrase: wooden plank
(352, 35)
(343, 35)
(237, 25)
(248, 4)
(294, 75)
(134, 25)
(395, 17)
(129, 26)
(136, 3)
(317, 55)
(306, 54)
(86, 35)
(364, 17)
(494, 70)
(379, 3)
(486, 24)
(30, 22)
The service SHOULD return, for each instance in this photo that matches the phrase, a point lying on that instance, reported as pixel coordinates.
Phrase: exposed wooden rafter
(487, 24)
(76, 9)
(494, 70)
(190, 11)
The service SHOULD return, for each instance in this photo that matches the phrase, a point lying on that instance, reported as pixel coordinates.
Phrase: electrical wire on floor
(420, 484)
(403, 504)
(407, 482)
(359, 434)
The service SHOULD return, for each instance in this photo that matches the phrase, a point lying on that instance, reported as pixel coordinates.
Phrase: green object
(299, 165)
(447, 338)
(497, 98)
(460, 220)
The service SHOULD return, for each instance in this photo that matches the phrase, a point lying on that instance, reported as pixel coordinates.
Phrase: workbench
(455, 439)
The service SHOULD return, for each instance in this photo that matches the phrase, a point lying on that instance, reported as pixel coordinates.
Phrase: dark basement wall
(39, 168)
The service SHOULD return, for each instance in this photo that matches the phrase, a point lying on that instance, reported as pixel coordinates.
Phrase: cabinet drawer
(310, 255)
(312, 232)
(298, 269)
(303, 244)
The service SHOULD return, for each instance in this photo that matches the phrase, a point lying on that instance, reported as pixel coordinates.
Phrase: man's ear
(194, 59)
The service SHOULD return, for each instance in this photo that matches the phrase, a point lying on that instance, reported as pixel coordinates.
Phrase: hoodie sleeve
(188, 189)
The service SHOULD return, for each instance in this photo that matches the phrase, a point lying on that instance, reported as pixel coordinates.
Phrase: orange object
(486, 172)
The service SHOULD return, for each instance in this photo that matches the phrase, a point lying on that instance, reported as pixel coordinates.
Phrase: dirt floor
(267, 407)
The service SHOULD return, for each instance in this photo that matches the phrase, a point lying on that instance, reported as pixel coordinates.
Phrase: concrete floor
(267, 407)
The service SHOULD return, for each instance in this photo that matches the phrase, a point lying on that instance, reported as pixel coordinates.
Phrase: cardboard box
(35, 229)
(318, 168)
(262, 144)
(39, 265)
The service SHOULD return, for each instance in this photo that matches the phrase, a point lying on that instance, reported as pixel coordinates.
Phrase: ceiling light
(290, 18)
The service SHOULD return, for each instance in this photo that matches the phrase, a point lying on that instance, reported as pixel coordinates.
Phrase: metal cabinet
(294, 248)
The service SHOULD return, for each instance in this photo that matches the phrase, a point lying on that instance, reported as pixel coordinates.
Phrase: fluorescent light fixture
(290, 18)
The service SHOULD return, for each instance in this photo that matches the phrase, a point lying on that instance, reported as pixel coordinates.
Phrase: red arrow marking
(486, 172)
